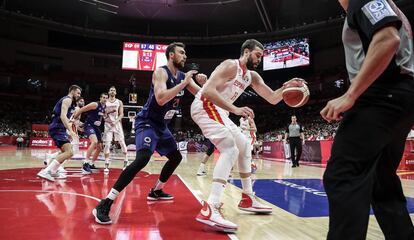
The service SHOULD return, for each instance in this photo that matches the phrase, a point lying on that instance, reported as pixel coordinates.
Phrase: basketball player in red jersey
(210, 111)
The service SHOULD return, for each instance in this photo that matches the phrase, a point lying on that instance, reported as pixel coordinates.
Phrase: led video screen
(286, 53)
(143, 56)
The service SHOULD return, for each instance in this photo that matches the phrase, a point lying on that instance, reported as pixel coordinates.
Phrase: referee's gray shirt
(364, 18)
(294, 130)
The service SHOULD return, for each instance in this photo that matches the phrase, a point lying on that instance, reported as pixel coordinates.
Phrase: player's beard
(250, 64)
(178, 64)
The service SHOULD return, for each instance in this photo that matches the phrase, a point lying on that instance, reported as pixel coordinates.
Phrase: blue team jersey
(156, 115)
(94, 117)
(56, 123)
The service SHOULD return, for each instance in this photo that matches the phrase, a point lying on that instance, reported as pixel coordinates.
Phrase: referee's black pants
(295, 143)
(361, 172)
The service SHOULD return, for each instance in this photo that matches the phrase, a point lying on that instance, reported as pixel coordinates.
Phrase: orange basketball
(295, 94)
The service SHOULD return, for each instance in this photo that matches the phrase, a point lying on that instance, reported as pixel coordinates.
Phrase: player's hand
(244, 111)
(201, 78)
(189, 76)
(334, 108)
(71, 130)
(296, 81)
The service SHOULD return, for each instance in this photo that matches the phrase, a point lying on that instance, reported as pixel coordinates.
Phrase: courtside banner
(37, 142)
(273, 150)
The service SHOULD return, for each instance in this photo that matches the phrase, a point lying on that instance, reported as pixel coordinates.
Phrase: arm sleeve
(370, 16)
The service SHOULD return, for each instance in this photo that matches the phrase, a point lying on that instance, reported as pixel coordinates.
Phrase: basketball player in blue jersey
(94, 117)
(80, 102)
(151, 131)
(57, 130)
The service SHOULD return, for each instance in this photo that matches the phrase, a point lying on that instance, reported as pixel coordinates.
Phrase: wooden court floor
(290, 196)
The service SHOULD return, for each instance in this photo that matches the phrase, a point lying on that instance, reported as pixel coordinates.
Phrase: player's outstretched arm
(164, 95)
(192, 87)
(258, 85)
(90, 106)
(273, 97)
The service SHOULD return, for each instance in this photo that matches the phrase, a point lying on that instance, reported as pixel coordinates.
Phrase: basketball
(295, 94)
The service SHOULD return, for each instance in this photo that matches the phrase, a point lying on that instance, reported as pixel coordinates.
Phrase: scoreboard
(143, 56)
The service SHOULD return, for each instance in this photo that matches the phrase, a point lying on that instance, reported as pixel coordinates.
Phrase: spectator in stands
(319, 137)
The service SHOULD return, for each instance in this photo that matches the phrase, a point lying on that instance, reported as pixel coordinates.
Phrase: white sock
(159, 185)
(126, 157)
(247, 185)
(51, 156)
(202, 167)
(53, 166)
(112, 194)
(217, 189)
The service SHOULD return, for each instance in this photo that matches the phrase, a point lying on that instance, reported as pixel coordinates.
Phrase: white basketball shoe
(211, 215)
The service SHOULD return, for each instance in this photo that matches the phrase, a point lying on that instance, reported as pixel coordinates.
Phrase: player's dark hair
(74, 87)
(250, 44)
(171, 48)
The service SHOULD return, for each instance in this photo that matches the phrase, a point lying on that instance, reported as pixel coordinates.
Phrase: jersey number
(176, 102)
(234, 96)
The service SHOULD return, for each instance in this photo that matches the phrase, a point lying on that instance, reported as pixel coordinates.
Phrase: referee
(294, 135)
(377, 115)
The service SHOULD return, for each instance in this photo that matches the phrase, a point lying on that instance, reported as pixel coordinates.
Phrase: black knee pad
(175, 157)
(142, 158)
(210, 149)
